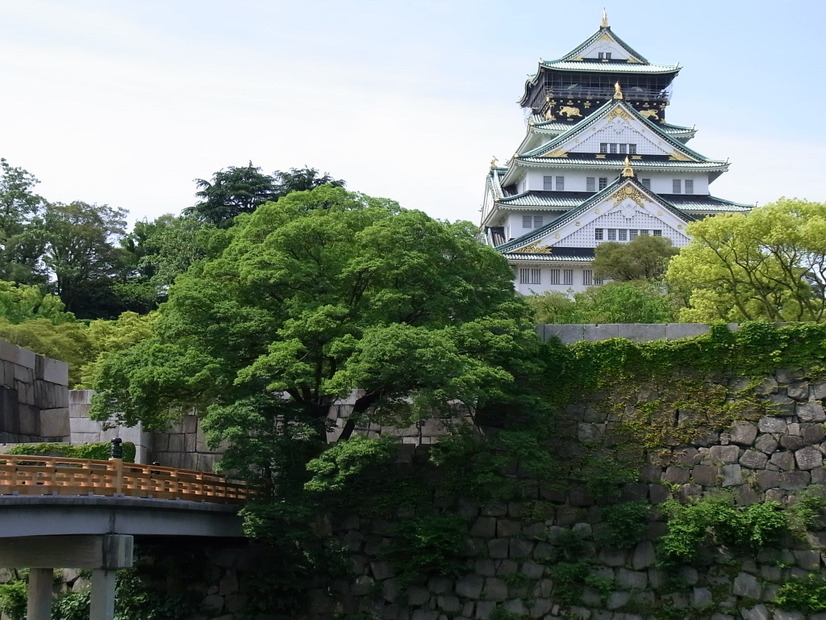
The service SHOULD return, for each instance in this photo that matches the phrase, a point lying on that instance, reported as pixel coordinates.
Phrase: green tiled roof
(539, 123)
(576, 52)
(607, 67)
(538, 233)
(638, 165)
(546, 258)
(596, 116)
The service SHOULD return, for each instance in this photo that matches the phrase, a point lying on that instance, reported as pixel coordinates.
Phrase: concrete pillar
(103, 595)
(39, 606)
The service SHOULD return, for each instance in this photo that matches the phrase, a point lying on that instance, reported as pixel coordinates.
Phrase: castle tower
(598, 163)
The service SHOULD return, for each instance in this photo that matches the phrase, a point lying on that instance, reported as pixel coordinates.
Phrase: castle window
(597, 281)
(689, 186)
(567, 276)
(622, 148)
(677, 186)
(560, 184)
(529, 276)
(598, 234)
(590, 184)
(587, 277)
(531, 221)
(612, 234)
(553, 276)
(632, 149)
(632, 234)
(603, 147)
(604, 55)
(547, 183)
(646, 183)
(603, 182)
(622, 234)
(657, 233)
(614, 146)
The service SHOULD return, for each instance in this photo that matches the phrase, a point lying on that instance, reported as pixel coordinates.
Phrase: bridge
(82, 513)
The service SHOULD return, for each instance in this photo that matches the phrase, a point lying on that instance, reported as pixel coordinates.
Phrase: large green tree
(644, 258)
(19, 206)
(320, 294)
(767, 265)
(81, 256)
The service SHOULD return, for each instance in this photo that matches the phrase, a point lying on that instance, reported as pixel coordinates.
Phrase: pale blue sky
(126, 102)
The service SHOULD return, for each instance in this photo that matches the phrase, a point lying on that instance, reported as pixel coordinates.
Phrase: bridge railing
(47, 475)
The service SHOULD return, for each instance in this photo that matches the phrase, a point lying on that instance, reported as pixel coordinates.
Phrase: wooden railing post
(116, 459)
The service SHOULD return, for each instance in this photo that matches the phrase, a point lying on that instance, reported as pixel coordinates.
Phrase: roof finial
(617, 91)
(627, 171)
(494, 162)
(604, 19)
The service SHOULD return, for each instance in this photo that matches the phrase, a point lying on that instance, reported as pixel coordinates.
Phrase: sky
(127, 102)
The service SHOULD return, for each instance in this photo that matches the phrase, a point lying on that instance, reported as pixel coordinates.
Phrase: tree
(232, 191)
(19, 205)
(317, 295)
(638, 301)
(767, 265)
(646, 257)
(301, 180)
(81, 258)
(238, 190)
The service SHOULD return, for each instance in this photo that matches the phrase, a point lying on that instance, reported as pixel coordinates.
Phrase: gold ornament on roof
(533, 248)
(560, 152)
(628, 171)
(649, 114)
(604, 19)
(629, 192)
(493, 162)
(618, 112)
(677, 156)
(617, 91)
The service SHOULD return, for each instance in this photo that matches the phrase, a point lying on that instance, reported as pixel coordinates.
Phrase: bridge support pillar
(41, 581)
(103, 595)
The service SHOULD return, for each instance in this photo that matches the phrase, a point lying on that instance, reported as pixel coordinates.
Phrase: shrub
(99, 451)
(807, 595)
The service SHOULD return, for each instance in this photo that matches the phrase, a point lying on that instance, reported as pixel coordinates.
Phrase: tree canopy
(644, 258)
(236, 190)
(767, 265)
(317, 295)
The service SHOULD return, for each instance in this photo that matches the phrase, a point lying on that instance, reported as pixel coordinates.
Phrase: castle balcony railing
(46, 475)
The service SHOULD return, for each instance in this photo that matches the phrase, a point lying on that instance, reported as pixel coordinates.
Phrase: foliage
(432, 544)
(334, 470)
(21, 302)
(238, 190)
(106, 337)
(316, 295)
(605, 474)
(569, 577)
(808, 511)
(717, 521)
(19, 206)
(767, 265)
(803, 594)
(65, 341)
(80, 258)
(644, 258)
(13, 597)
(637, 301)
(72, 606)
(625, 524)
(100, 451)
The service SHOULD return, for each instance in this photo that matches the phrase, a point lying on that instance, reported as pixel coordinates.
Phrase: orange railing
(46, 475)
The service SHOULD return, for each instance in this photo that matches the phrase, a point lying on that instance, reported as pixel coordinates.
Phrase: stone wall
(33, 396)
(638, 332)
(515, 547)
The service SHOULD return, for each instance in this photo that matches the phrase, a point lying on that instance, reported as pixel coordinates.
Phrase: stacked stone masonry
(513, 552)
(33, 396)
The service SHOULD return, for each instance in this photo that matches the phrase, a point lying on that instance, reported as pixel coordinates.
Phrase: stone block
(759, 612)
(810, 412)
(484, 527)
(753, 459)
(643, 332)
(448, 604)
(724, 454)
(746, 585)
(808, 458)
(498, 548)
(53, 371)
(612, 557)
(798, 390)
(766, 444)
(771, 425)
(676, 475)
(54, 422)
(594, 333)
(631, 579)
(532, 570)
(768, 480)
(673, 331)
(644, 555)
(520, 548)
(783, 461)
(807, 559)
(700, 598)
(812, 433)
(470, 586)
(781, 614)
(495, 589)
(732, 475)
(781, 405)
(819, 390)
(505, 528)
(743, 433)
(794, 480)
(567, 334)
